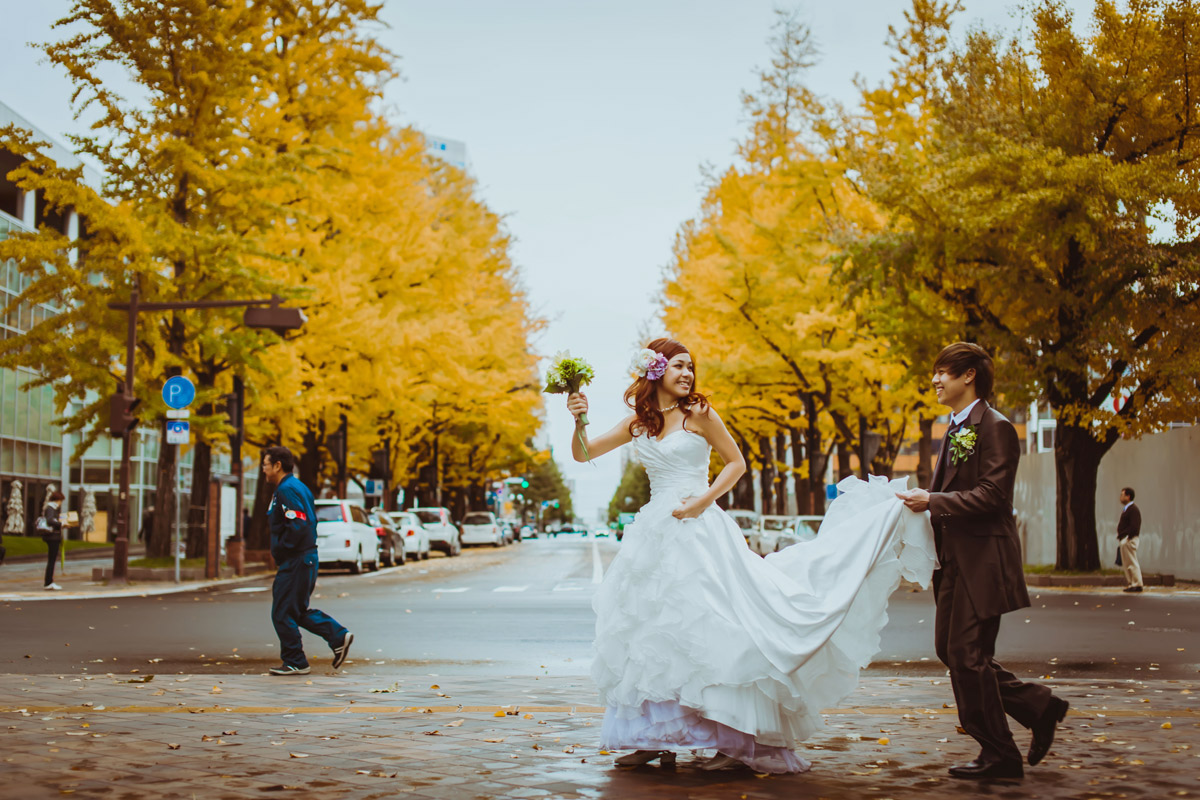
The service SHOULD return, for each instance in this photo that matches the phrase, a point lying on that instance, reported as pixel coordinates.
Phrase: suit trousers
(1133, 570)
(294, 583)
(983, 690)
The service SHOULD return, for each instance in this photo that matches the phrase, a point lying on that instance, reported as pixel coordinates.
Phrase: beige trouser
(1133, 572)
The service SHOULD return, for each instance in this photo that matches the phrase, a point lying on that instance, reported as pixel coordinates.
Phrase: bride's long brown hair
(642, 394)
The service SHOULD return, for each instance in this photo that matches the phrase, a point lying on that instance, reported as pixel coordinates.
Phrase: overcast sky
(587, 126)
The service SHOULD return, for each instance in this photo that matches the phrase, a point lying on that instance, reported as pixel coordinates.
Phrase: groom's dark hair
(959, 357)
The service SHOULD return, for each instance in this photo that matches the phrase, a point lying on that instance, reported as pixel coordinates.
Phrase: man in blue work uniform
(294, 548)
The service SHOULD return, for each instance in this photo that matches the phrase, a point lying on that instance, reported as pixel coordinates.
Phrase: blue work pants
(294, 583)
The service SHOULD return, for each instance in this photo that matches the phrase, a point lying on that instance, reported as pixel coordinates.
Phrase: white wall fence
(1164, 470)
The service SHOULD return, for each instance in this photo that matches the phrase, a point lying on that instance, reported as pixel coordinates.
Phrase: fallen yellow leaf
(499, 714)
(885, 741)
(456, 724)
(298, 755)
(494, 741)
(1166, 726)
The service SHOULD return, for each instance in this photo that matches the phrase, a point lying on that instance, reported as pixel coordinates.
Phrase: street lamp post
(273, 317)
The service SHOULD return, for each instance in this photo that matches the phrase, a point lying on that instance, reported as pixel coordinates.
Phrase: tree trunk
(766, 476)
(845, 469)
(780, 478)
(308, 460)
(1077, 458)
(258, 537)
(198, 511)
(799, 481)
(816, 458)
(161, 528)
(925, 455)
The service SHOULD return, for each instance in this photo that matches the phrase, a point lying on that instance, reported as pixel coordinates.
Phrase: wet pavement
(419, 735)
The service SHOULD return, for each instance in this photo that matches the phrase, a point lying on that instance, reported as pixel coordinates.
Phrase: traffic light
(274, 318)
(120, 413)
(524, 483)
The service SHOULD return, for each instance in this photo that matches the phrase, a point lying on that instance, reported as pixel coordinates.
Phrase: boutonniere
(962, 444)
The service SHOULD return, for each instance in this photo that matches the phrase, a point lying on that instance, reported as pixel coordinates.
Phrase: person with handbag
(49, 525)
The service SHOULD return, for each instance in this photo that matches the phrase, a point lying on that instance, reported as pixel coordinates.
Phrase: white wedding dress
(700, 643)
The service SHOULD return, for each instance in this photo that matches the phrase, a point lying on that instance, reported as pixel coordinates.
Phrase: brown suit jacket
(971, 506)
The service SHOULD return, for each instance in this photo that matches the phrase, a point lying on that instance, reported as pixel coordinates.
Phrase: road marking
(510, 588)
(564, 588)
(452, 591)
(248, 589)
(597, 567)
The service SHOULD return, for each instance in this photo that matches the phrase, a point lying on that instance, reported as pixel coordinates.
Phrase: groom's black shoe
(1043, 729)
(988, 769)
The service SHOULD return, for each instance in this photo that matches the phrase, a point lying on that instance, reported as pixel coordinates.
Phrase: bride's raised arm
(577, 404)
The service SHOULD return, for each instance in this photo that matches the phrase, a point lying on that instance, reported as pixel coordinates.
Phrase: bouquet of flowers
(568, 375)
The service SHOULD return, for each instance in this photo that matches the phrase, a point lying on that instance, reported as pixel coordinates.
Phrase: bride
(700, 644)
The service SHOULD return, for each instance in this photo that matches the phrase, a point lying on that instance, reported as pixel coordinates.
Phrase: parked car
(528, 532)
(443, 533)
(481, 527)
(345, 536)
(766, 539)
(748, 521)
(391, 542)
(804, 530)
(416, 538)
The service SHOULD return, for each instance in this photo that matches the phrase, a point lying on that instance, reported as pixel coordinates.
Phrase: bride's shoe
(640, 757)
(720, 761)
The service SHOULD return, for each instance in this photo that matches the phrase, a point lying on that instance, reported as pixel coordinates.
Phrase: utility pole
(274, 317)
(120, 573)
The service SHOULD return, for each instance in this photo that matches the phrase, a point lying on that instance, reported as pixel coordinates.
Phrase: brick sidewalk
(356, 735)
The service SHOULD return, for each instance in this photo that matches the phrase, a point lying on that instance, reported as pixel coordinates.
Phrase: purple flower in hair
(657, 368)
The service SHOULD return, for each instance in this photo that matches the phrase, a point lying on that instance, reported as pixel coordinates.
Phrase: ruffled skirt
(702, 644)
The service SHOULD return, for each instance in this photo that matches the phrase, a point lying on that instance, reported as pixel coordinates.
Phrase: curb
(72, 555)
(131, 591)
(1094, 580)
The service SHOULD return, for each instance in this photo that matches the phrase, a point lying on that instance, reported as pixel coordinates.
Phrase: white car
(766, 539)
(443, 534)
(345, 538)
(748, 521)
(416, 538)
(481, 527)
(804, 530)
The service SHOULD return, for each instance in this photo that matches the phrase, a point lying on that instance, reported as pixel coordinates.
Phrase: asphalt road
(526, 610)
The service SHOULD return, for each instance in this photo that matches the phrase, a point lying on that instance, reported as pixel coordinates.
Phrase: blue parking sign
(178, 392)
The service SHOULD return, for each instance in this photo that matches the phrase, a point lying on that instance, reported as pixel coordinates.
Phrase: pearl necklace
(671, 407)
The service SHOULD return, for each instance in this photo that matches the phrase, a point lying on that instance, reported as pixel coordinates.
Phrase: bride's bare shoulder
(703, 411)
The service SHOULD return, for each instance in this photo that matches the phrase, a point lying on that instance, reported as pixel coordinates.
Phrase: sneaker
(342, 650)
(288, 669)
(52, 587)
(1132, 589)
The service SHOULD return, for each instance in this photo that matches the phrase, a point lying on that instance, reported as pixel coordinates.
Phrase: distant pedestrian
(147, 529)
(1128, 529)
(293, 521)
(50, 527)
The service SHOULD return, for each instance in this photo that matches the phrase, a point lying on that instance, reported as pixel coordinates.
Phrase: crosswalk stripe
(510, 588)
(452, 591)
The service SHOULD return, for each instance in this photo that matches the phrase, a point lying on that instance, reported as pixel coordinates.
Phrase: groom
(981, 574)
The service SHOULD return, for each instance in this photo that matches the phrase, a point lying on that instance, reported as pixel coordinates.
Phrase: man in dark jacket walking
(293, 521)
(981, 575)
(1128, 529)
